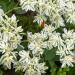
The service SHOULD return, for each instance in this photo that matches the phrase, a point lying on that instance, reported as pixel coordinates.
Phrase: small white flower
(28, 4)
(31, 46)
(39, 19)
(1, 12)
(13, 18)
(7, 59)
(67, 34)
(24, 56)
(55, 39)
(33, 67)
(51, 9)
(36, 48)
(69, 44)
(67, 61)
(47, 30)
(71, 18)
(10, 38)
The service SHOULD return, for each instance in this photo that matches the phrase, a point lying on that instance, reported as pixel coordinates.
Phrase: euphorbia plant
(56, 17)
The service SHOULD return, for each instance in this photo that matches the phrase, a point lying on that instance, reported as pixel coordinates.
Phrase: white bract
(7, 59)
(57, 12)
(51, 10)
(67, 61)
(48, 39)
(28, 4)
(10, 38)
(30, 66)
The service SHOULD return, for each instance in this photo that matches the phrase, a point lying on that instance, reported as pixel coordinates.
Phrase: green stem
(12, 10)
(25, 41)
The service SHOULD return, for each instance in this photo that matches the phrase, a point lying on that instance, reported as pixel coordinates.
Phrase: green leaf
(7, 5)
(53, 69)
(20, 73)
(1, 72)
(63, 71)
(71, 71)
(50, 55)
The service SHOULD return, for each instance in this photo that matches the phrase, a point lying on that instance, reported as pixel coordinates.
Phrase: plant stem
(12, 10)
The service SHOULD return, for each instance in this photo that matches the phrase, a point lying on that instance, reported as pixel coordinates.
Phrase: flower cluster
(10, 38)
(31, 66)
(48, 38)
(53, 10)
(30, 60)
(56, 13)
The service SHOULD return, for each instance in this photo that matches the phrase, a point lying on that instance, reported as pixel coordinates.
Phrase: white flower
(18, 66)
(54, 10)
(61, 52)
(36, 48)
(31, 46)
(28, 4)
(39, 19)
(48, 29)
(33, 66)
(41, 68)
(67, 61)
(13, 18)
(55, 39)
(71, 18)
(64, 50)
(24, 56)
(57, 20)
(4, 47)
(61, 4)
(10, 38)
(18, 29)
(1, 12)
(67, 34)
(43, 8)
(29, 65)
(64, 43)
(7, 59)
(69, 44)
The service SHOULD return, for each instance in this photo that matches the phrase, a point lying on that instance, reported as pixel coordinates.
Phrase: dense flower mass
(49, 39)
(54, 15)
(55, 10)
(31, 66)
(58, 12)
(10, 38)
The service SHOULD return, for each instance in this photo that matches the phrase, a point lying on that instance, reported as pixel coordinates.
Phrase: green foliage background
(26, 21)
